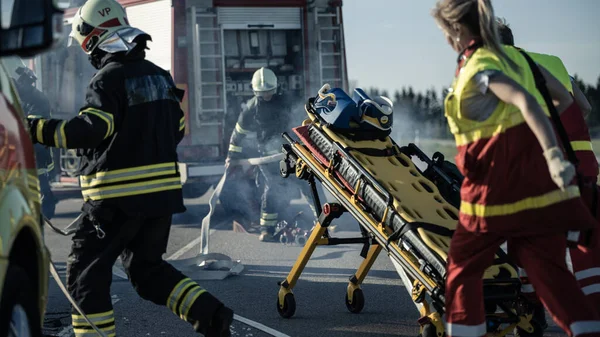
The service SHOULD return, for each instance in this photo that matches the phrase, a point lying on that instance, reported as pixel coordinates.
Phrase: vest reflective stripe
(521, 205)
(125, 190)
(132, 173)
(555, 66)
(582, 145)
(60, 139)
(234, 148)
(105, 116)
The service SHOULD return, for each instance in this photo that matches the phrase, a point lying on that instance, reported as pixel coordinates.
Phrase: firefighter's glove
(32, 123)
(220, 324)
(561, 170)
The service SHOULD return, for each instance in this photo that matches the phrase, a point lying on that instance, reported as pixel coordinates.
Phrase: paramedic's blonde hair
(477, 16)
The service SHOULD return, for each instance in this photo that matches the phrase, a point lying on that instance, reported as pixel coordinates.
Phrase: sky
(391, 44)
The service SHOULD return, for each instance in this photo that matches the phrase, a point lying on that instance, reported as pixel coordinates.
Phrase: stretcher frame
(379, 233)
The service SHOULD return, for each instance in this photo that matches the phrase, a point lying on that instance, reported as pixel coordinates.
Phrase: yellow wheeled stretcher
(400, 210)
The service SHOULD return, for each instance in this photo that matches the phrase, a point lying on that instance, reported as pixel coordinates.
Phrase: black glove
(219, 325)
(32, 122)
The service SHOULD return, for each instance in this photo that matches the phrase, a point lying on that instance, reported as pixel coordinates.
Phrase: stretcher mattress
(415, 199)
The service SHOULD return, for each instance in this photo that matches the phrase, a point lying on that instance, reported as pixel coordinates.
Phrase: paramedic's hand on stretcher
(561, 170)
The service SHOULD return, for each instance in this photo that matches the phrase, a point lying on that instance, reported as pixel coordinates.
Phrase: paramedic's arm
(509, 91)
(561, 97)
(95, 122)
(581, 100)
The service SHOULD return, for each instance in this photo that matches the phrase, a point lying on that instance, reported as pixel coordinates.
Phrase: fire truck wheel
(19, 314)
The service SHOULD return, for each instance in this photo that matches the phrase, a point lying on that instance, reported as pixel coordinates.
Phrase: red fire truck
(212, 48)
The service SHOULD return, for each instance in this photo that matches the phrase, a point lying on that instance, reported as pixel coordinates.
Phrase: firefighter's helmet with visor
(102, 24)
(264, 82)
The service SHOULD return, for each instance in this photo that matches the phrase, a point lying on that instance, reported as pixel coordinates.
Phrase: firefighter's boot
(220, 324)
(538, 321)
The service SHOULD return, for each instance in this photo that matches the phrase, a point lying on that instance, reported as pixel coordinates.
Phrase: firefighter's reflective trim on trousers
(183, 296)
(105, 321)
(105, 116)
(466, 330)
(158, 177)
(584, 328)
(582, 145)
(60, 139)
(589, 273)
(48, 169)
(268, 219)
(234, 148)
(521, 205)
(182, 123)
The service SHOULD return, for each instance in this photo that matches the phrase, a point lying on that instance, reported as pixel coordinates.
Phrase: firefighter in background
(585, 261)
(35, 104)
(517, 187)
(126, 135)
(258, 133)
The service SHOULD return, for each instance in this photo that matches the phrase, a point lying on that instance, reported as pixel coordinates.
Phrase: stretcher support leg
(286, 304)
(354, 296)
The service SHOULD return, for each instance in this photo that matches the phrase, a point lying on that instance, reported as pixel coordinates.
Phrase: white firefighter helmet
(264, 82)
(103, 24)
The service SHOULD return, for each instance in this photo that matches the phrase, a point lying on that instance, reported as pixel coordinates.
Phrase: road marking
(259, 326)
(187, 247)
(68, 330)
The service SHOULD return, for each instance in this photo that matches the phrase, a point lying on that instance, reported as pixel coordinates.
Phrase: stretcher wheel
(300, 240)
(289, 306)
(358, 301)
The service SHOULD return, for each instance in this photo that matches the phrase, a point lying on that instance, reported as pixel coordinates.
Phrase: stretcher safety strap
(466, 330)
(582, 145)
(182, 123)
(60, 139)
(183, 296)
(584, 328)
(105, 116)
(105, 321)
(541, 201)
(91, 185)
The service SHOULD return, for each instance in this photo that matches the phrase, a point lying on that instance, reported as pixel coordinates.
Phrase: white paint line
(187, 247)
(259, 326)
(68, 330)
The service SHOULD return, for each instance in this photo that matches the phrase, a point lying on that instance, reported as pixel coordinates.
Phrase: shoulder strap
(540, 83)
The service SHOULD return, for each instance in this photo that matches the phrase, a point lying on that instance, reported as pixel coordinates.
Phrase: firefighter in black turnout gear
(35, 104)
(257, 133)
(126, 135)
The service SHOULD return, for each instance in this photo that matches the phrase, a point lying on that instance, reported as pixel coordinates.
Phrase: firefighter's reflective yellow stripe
(268, 219)
(234, 148)
(582, 145)
(104, 321)
(125, 190)
(39, 131)
(183, 296)
(182, 123)
(139, 172)
(105, 116)
(243, 131)
(521, 205)
(60, 139)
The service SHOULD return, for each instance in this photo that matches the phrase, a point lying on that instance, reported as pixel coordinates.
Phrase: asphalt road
(320, 292)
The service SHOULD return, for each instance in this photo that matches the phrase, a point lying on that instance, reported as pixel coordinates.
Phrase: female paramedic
(518, 187)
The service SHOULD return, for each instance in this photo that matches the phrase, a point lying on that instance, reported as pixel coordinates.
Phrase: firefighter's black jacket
(36, 104)
(259, 127)
(126, 134)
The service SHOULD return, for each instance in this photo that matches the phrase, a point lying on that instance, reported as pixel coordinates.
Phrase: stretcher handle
(414, 150)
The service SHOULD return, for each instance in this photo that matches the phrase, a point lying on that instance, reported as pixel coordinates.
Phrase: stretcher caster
(286, 309)
(357, 302)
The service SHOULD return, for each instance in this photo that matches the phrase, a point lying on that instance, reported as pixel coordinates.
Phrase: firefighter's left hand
(32, 122)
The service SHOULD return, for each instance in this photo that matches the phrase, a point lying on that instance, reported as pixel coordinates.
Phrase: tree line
(421, 114)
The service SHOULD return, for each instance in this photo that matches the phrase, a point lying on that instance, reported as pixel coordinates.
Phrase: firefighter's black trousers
(141, 243)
